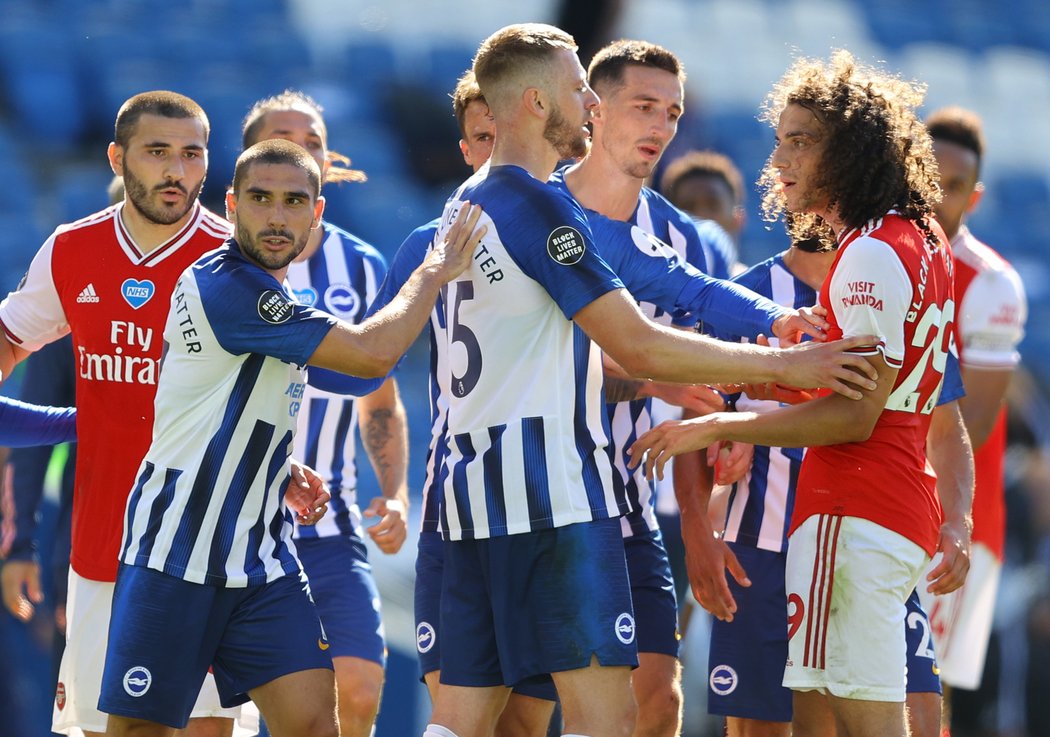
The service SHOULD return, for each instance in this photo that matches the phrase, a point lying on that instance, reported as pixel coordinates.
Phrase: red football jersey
(91, 279)
(887, 281)
(990, 325)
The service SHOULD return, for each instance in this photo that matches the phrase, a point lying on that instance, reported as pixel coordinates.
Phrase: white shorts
(962, 620)
(847, 582)
(80, 674)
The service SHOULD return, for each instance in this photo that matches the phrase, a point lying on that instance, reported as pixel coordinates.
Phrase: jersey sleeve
(648, 267)
(553, 243)
(991, 320)
(25, 425)
(49, 381)
(336, 383)
(249, 312)
(32, 315)
(870, 291)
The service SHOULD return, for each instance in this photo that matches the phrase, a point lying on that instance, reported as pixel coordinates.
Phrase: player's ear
(115, 154)
(535, 101)
(231, 205)
(318, 212)
(975, 197)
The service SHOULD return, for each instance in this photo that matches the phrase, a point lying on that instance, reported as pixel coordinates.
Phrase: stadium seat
(39, 75)
(947, 71)
(444, 64)
(81, 190)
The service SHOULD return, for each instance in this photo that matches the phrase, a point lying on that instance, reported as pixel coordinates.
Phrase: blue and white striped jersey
(527, 431)
(342, 279)
(760, 504)
(208, 502)
(408, 257)
(689, 240)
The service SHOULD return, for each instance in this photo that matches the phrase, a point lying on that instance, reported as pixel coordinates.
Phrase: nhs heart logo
(306, 297)
(137, 293)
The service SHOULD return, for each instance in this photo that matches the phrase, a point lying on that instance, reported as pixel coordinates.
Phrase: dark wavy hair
(295, 100)
(878, 157)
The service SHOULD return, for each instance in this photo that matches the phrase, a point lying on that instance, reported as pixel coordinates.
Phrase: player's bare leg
(207, 727)
(738, 727)
(300, 704)
(924, 714)
(597, 700)
(811, 715)
(433, 682)
(525, 716)
(469, 711)
(360, 686)
(522, 716)
(857, 718)
(127, 727)
(657, 685)
(199, 727)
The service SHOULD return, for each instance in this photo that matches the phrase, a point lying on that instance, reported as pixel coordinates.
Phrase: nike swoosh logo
(322, 644)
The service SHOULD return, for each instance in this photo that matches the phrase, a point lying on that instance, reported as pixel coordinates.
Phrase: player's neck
(313, 243)
(808, 267)
(599, 185)
(538, 158)
(148, 235)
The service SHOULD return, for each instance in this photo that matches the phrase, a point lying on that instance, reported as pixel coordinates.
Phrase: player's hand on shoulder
(306, 494)
(451, 255)
(391, 531)
(811, 364)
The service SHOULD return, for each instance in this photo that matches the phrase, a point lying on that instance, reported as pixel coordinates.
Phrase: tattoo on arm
(376, 438)
(383, 435)
(621, 390)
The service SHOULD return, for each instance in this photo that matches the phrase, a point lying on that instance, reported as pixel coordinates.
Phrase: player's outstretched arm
(950, 454)
(371, 348)
(826, 421)
(648, 350)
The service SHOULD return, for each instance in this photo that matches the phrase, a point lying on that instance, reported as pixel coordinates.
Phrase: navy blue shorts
(430, 562)
(165, 632)
(346, 596)
(747, 656)
(430, 565)
(519, 606)
(652, 591)
(923, 673)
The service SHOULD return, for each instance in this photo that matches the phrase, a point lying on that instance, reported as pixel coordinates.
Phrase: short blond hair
(516, 57)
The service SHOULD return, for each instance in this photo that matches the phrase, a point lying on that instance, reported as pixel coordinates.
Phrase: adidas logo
(88, 295)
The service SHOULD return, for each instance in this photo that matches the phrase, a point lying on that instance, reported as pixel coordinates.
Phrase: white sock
(436, 730)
